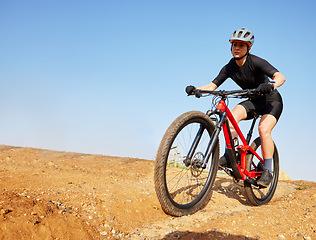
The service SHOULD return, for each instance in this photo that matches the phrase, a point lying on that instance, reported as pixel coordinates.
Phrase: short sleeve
(265, 66)
(221, 77)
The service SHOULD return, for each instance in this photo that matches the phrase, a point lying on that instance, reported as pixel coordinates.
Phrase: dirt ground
(59, 195)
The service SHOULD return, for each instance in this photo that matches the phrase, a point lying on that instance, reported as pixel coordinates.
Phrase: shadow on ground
(213, 234)
(227, 187)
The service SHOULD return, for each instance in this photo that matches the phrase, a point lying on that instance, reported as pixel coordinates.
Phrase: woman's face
(239, 49)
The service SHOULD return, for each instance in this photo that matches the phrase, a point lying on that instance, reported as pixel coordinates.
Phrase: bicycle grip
(198, 94)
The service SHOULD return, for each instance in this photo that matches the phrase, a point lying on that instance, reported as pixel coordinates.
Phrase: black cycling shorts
(268, 104)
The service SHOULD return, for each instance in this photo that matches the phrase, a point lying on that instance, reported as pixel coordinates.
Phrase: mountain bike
(187, 159)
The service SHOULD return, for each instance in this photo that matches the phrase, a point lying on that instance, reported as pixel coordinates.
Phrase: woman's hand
(265, 88)
(190, 90)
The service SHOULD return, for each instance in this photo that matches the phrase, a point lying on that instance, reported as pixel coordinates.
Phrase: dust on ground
(60, 195)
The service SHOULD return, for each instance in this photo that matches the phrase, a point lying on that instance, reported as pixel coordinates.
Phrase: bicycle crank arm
(252, 181)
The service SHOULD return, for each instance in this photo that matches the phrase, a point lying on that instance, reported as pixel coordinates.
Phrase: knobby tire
(256, 195)
(183, 189)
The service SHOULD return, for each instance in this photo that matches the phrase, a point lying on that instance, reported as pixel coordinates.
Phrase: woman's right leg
(239, 113)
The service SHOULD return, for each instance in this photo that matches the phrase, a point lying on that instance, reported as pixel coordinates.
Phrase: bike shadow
(226, 186)
(213, 234)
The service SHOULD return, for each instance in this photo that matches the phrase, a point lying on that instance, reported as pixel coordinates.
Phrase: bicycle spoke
(256, 194)
(181, 184)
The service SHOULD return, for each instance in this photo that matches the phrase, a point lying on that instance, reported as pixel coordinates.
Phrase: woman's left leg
(266, 125)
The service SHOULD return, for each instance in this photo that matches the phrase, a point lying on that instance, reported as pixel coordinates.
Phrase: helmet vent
(247, 34)
(242, 34)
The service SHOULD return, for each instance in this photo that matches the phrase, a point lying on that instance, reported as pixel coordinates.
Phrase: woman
(249, 71)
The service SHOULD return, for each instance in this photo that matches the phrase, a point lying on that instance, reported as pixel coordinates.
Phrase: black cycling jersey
(249, 76)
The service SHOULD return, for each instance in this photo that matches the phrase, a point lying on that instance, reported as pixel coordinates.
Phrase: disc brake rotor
(196, 164)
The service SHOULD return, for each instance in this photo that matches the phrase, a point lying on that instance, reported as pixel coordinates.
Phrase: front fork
(212, 142)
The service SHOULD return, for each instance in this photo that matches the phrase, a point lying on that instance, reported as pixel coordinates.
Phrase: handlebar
(247, 93)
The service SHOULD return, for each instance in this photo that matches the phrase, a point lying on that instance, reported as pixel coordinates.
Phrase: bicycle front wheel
(258, 195)
(183, 185)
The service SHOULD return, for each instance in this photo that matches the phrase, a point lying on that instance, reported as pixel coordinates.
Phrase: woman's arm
(279, 79)
(208, 87)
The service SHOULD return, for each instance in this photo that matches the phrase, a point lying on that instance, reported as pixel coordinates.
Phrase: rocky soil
(59, 195)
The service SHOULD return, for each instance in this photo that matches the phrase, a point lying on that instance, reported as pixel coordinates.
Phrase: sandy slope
(59, 195)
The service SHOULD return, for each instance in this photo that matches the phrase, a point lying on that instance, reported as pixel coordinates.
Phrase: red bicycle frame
(244, 148)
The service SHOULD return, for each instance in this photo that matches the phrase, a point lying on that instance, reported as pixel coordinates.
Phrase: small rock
(36, 222)
(103, 233)
(281, 236)
(5, 211)
(169, 232)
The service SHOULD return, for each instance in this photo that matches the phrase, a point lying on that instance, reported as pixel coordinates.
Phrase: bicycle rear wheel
(183, 187)
(258, 195)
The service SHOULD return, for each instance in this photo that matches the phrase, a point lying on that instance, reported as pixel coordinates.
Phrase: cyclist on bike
(249, 71)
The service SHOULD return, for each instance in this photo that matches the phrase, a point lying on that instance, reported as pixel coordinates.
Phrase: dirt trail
(60, 195)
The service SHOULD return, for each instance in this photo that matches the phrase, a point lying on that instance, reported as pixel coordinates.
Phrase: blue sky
(108, 77)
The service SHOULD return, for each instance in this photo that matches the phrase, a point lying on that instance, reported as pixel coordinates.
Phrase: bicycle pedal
(228, 171)
(252, 181)
(236, 180)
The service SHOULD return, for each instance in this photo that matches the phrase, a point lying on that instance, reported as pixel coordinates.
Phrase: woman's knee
(266, 125)
(264, 131)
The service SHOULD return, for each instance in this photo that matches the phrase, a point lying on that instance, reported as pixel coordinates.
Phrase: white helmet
(244, 35)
